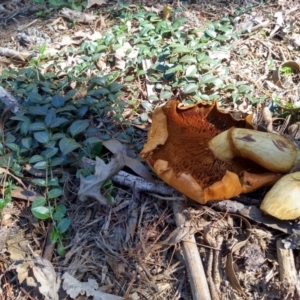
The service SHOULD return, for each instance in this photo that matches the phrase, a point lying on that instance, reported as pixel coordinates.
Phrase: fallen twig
(288, 272)
(141, 185)
(192, 258)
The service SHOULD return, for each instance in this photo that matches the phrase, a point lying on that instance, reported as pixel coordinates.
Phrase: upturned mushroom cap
(272, 151)
(178, 151)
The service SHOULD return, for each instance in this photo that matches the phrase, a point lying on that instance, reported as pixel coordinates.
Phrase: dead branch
(139, 184)
(8, 100)
(288, 272)
(21, 56)
(192, 258)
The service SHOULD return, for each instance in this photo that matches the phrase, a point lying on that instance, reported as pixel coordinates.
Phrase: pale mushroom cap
(283, 200)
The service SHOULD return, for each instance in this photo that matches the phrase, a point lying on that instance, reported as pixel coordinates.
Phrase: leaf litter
(133, 248)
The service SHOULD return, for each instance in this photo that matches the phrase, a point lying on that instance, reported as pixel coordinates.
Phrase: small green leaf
(206, 79)
(54, 193)
(165, 95)
(47, 154)
(61, 250)
(63, 225)
(13, 147)
(211, 33)
(42, 136)
(39, 201)
(35, 97)
(190, 88)
(37, 126)
(19, 118)
(35, 159)
(58, 215)
(58, 121)
(41, 212)
(191, 71)
(188, 59)
(26, 142)
(244, 88)
(61, 208)
(78, 127)
(37, 110)
(67, 145)
(25, 127)
(56, 161)
(54, 236)
(53, 182)
(39, 181)
(144, 117)
(146, 105)
(50, 117)
(58, 101)
(42, 165)
(178, 48)
(57, 136)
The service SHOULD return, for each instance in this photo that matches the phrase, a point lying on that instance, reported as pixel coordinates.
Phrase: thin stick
(192, 258)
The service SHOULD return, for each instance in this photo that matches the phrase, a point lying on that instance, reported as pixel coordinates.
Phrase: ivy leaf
(211, 33)
(41, 212)
(58, 215)
(188, 59)
(58, 101)
(26, 142)
(58, 121)
(42, 137)
(35, 97)
(206, 79)
(37, 126)
(190, 88)
(191, 71)
(56, 161)
(63, 225)
(14, 147)
(37, 110)
(42, 165)
(57, 136)
(78, 126)
(147, 105)
(180, 49)
(35, 159)
(38, 201)
(165, 95)
(244, 88)
(54, 193)
(39, 182)
(67, 145)
(25, 126)
(47, 154)
(50, 117)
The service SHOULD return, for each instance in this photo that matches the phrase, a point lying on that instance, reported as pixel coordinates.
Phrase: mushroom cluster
(208, 155)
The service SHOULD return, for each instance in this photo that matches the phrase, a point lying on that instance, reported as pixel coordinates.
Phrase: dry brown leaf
(75, 288)
(126, 52)
(45, 275)
(17, 247)
(117, 267)
(87, 35)
(91, 187)
(135, 165)
(93, 2)
(22, 270)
